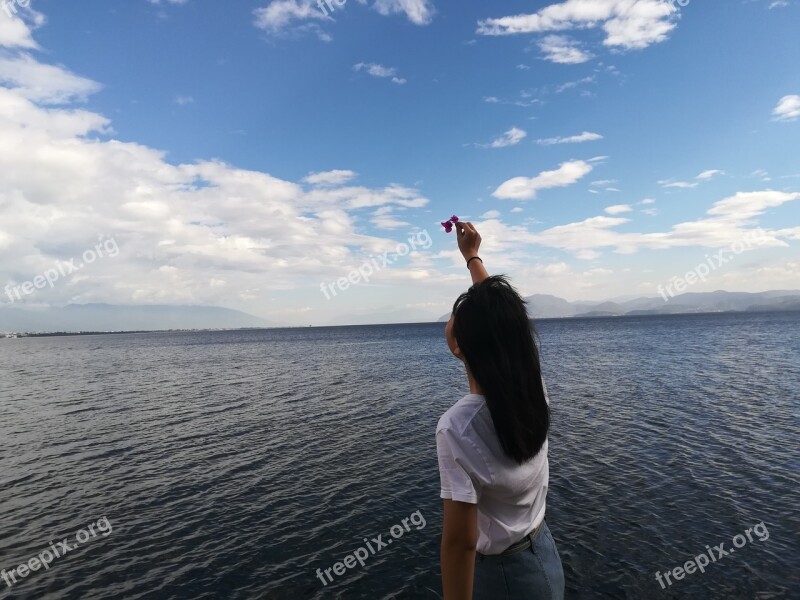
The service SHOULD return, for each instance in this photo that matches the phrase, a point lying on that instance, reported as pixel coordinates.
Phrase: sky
(294, 160)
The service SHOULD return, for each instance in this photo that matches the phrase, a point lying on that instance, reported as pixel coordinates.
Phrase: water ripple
(236, 464)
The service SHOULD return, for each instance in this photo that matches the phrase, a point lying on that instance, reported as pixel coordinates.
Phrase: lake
(235, 464)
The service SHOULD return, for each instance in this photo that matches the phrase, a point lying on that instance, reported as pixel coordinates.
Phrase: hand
(469, 240)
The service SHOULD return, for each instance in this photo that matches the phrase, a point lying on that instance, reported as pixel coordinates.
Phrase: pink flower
(448, 225)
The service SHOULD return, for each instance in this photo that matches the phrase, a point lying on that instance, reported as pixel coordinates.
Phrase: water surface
(235, 464)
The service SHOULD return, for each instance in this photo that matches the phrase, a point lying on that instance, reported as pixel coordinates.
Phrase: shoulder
(461, 444)
(460, 416)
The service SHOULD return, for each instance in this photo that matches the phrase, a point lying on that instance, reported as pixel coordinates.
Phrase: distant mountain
(108, 317)
(784, 303)
(541, 306)
(546, 306)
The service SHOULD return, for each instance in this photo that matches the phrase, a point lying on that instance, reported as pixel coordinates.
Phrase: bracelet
(473, 258)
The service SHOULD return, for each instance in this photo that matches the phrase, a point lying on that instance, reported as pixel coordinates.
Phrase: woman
(492, 448)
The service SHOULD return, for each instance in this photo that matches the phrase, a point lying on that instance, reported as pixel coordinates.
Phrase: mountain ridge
(99, 317)
(546, 306)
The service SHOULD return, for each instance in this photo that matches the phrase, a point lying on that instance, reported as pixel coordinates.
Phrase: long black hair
(494, 333)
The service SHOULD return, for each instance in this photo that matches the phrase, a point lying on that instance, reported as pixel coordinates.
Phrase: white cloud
(211, 233)
(384, 218)
(375, 70)
(703, 176)
(490, 214)
(746, 205)
(583, 238)
(598, 271)
(788, 108)
(183, 100)
(709, 174)
(419, 12)
(628, 24)
(379, 71)
(14, 32)
(198, 233)
(512, 137)
(332, 178)
(525, 100)
(46, 84)
(574, 84)
(586, 136)
(668, 183)
(525, 188)
(647, 201)
(563, 50)
(729, 220)
(618, 209)
(17, 114)
(279, 14)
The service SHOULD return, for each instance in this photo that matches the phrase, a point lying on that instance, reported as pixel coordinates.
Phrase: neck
(474, 388)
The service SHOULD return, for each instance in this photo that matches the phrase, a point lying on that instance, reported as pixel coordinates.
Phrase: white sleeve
(459, 467)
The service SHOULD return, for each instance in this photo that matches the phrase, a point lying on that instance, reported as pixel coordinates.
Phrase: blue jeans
(531, 574)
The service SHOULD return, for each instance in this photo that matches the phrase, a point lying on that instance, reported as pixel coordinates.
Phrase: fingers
(464, 228)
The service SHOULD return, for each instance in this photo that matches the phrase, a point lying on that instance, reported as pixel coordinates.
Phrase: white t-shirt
(473, 468)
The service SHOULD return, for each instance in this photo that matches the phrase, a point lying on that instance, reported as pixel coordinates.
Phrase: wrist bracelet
(473, 258)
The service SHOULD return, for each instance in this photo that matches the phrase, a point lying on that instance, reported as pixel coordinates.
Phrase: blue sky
(247, 154)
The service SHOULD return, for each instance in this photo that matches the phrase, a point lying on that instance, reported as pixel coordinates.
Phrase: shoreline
(18, 335)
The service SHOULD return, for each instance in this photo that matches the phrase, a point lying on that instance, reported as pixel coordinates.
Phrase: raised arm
(469, 241)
